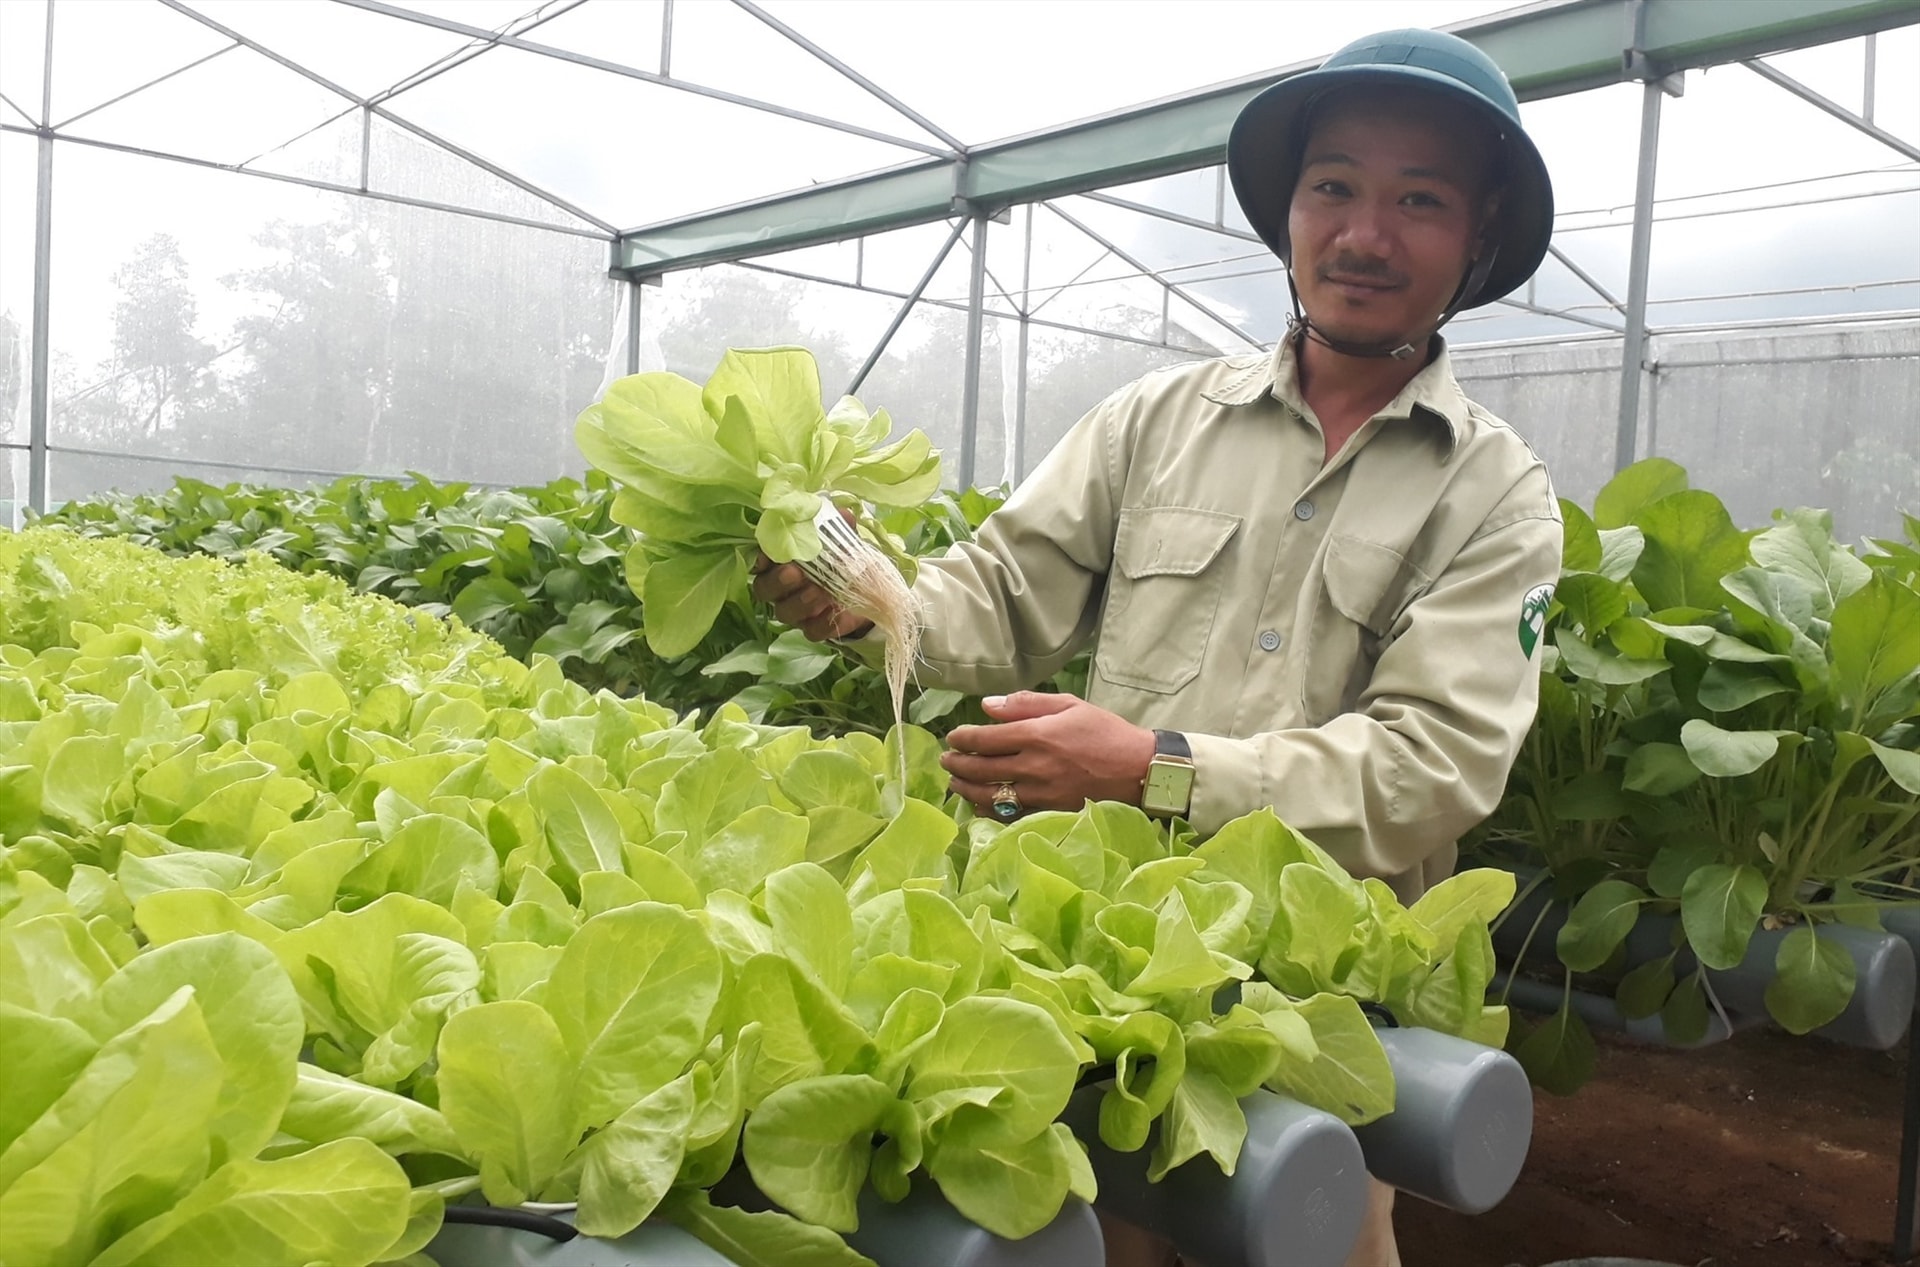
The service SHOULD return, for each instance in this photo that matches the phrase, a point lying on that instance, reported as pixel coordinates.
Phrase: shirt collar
(1433, 394)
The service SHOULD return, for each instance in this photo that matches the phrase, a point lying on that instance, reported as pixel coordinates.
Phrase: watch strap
(1171, 743)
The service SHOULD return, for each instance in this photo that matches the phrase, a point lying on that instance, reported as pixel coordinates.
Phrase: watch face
(1169, 788)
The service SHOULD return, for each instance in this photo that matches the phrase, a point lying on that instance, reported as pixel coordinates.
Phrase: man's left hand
(1058, 752)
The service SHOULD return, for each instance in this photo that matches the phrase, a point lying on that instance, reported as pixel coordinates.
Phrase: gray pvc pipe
(1296, 1197)
(924, 1229)
(1881, 1006)
(1877, 1014)
(1461, 1123)
(1601, 1012)
(649, 1245)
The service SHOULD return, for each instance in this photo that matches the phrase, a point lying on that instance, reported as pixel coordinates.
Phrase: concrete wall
(1816, 415)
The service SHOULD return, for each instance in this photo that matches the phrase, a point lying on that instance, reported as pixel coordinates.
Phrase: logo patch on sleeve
(1533, 617)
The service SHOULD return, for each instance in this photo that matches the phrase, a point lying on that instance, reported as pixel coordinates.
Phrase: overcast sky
(631, 153)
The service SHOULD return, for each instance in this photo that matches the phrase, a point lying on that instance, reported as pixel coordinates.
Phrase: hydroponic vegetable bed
(320, 915)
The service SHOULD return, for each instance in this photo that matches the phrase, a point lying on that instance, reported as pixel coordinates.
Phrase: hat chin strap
(1398, 350)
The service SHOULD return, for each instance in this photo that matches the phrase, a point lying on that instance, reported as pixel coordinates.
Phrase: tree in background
(157, 376)
(315, 379)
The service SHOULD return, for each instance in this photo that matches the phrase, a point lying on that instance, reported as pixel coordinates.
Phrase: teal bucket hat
(1264, 148)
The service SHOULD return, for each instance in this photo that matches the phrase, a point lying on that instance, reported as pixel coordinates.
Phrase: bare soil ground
(1766, 1151)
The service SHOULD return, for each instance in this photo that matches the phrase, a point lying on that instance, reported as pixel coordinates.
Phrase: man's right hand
(802, 602)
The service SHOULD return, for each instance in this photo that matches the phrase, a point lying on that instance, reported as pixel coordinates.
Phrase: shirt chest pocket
(1163, 595)
(1365, 587)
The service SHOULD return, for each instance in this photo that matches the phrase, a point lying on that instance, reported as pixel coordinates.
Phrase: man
(1308, 577)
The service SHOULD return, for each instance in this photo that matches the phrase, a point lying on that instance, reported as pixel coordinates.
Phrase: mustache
(1359, 268)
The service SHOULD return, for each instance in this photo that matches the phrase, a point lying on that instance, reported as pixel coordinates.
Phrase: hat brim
(1264, 151)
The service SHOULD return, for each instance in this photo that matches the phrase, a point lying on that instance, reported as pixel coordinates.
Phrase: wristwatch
(1167, 791)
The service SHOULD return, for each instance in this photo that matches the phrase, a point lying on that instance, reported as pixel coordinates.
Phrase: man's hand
(1058, 752)
(802, 602)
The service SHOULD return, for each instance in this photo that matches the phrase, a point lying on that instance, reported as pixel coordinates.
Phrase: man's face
(1385, 216)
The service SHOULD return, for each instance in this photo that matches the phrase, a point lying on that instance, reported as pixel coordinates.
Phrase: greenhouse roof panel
(362, 52)
(989, 72)
(1556, 47)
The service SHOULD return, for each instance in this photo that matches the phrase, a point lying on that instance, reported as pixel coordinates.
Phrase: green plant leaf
(1008, 1046)
(343, 1202)
(1620, 551)
(1203, 1117)
(1726, 688)
(1801, 544)
(1558, 1054)
(1606, 667)
(683, 595)
(741, 855)
(579, 827)
(633, 996)
(1012, 1190)
(1684, 1016)
(1674, 864)
(430, 857)
(627, 1168)
(327, 1106)
(760, 1239)
(1591, 601)
(1580, 541)
(1875, 644)
(1813, 980)
(1659, 769)
(1901, 765)
(1691, 545)
(809, 1143)
(1727, 754)
(1598, 923)
(812, 923)
(1719, 907)
(505, 1080)
(42, 1056)
(252, 1015)
(1647, 481)
(124, 1141)
(489, 597)
(1644, 990)
(804, 1031)
(1349, 1075)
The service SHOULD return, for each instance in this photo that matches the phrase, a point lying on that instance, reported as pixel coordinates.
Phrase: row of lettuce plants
(542, 570)
(318, 913)
(1727, 732)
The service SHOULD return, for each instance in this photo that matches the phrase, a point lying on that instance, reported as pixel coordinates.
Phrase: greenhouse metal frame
(1548, 49)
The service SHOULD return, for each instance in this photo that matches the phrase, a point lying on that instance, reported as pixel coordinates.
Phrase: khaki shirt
(1347, 642)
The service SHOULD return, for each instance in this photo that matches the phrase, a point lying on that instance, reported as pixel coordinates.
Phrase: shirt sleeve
(1426, 752)
(1009, 609)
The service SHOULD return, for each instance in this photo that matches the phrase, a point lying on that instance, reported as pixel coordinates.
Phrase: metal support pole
(900, 317)
(1017, 463)
(976, 332)
(633, 326)
(1904, 147)
(666, 39)
(1866, 84)
(40, 392)
(1633, 347)
(1908, 1196)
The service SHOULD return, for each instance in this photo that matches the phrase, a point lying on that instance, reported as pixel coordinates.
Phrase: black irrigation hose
(506, 1216)
(1379, 1015)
